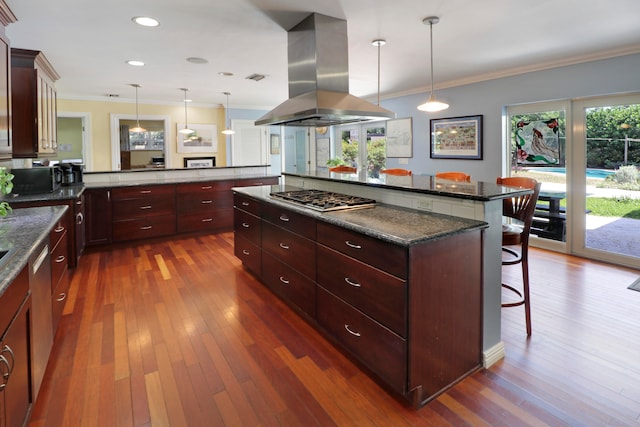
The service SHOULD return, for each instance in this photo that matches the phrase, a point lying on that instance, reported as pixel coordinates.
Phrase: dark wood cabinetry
(408, 313)
(33, 104)
(15, 397)
(97, 222)
(58, 244)
(6, 17)
(205, 206)
(143, 212)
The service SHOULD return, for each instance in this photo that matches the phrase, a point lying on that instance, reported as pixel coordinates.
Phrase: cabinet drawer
(247, 226)
(256, 181)
(140, 208)
(12, 298)
(248, 253)
(290, 248)
(58, 300)
(385, 256)
(59, 261)
(382, 351)
(247, 204)
(380, 295)
(152, 226)
(204, 202)
(215, 219)
(289, 220)
(58, 232)
(136, 192)
(205, 187)
(289, 284)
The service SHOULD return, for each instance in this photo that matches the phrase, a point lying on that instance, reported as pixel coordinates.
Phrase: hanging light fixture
(379, 43)
(228, 130)
(138, 128)
(186, 129)
(432, 104)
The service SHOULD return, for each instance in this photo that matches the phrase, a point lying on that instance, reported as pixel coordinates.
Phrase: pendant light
(432, 104)
(138, 128)
(186, 129)
(379, 43)
(228, 130)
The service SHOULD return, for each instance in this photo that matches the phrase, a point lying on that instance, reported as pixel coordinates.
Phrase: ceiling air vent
(256, 77)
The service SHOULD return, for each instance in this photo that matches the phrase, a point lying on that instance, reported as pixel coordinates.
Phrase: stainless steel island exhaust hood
(319, 79)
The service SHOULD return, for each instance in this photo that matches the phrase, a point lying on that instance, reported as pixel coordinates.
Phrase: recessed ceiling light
(196, 60)
(145, 21)
(135, 63)
(225, 74)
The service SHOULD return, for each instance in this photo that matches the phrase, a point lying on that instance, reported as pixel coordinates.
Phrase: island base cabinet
(289, 284)
(248, 253)
(379, 349)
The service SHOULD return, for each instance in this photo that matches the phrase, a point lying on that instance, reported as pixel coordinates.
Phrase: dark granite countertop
(71, 192)
(385, 222)
(20, 233)
(171, 180)
(424, 184)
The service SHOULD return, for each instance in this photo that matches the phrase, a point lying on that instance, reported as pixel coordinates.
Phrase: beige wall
(100, 138)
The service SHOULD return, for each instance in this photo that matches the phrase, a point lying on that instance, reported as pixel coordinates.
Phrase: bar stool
(343, 169)
(454, 176)
(397, 171)
(520, 208)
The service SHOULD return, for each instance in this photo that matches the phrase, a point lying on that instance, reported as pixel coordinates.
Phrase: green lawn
(622, 208)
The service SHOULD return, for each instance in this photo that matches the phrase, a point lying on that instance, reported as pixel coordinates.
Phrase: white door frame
(115, 137)
(87, 153)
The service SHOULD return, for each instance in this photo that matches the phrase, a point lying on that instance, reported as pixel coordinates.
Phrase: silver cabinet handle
(354, 284)
(245, 225)
(245, 203)
(355, 334)
(5, 374)
(147, 227)
(146, 207)
(284, 218)
(79, 218)
(61, 297)
(206, 187)
(59, 229)
(207, 220)
(7, 349)
(145, 191)
(283, 246)
(60, 259)
(352, 245)
(283, 280)
(206, 202)
(246, 252)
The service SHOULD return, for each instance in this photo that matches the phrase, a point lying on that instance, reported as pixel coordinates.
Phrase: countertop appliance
(324, 201)
(40, 179)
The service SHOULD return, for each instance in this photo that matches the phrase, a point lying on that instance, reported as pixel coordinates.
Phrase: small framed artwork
(275, 144)
(457, 138)
(199, 162)
(399, 138)
(203, 139)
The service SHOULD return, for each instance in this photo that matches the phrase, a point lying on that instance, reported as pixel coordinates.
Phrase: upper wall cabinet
(33, 104)
(6, 17)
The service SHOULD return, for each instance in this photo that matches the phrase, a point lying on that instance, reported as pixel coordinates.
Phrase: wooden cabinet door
(98, 216)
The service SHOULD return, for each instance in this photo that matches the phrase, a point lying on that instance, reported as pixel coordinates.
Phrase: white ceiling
(88, 42)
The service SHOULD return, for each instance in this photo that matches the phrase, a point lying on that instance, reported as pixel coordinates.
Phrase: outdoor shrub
(627, 177)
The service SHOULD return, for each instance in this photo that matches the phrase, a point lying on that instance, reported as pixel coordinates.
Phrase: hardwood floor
(177, 333)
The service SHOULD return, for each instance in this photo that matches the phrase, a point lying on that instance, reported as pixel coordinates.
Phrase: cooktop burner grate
(324, 200)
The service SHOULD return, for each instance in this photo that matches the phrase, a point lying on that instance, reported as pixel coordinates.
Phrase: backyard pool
(591, 173)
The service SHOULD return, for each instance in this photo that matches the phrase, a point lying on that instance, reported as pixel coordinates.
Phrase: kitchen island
(384, 283)
(481, 201)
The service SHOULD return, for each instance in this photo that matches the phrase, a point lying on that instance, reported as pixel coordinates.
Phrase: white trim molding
(493, 355)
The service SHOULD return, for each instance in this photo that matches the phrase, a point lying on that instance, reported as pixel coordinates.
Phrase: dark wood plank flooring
(177, 333)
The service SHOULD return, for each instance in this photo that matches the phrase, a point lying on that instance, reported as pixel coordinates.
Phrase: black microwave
(39, 179)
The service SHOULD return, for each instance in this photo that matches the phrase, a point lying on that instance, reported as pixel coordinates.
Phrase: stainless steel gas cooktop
(324, 201)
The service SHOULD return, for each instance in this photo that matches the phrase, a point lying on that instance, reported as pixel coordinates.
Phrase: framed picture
(457, 138)
(199, 162)
(203, 139)
(275, 144)
(399, 138)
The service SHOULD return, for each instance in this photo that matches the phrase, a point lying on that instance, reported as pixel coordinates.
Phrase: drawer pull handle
(7, 350)
(355, 334)
(207, 220)
(246, 252)
(354, 284)
(206, 202)
(60, 259)
(79, 218)
(61, 297)
(283, 280)
(352, 245)
(59, 229)
(7, 373)
(206, 187)
(145, 191)
(245, 203)
(146, 227)
(245, 225)
(283, 246)
(284, 218)
(145, 207)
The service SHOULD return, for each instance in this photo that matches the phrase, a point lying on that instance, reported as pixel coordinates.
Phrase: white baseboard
(493, 355)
